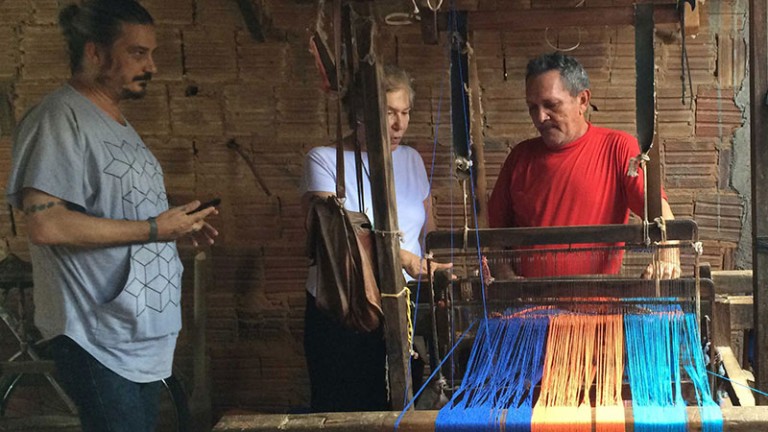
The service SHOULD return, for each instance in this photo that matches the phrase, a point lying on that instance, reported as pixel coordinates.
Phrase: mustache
(146, 77)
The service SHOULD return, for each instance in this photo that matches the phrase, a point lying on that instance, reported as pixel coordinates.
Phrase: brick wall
(216, 85)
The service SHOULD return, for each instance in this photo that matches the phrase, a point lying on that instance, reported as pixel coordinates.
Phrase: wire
(546, 39)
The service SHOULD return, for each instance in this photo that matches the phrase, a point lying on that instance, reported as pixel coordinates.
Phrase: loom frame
(547, 291)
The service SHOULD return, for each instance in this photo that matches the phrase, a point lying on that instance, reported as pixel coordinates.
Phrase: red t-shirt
(582, 183)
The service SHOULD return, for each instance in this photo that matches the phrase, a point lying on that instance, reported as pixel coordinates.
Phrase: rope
(383, 233)
(571, 48)
(434, 8)
(407, 292)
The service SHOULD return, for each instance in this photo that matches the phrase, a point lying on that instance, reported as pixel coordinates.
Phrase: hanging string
(760, 392)
(434, 373)
(454, 27)
(424, 233)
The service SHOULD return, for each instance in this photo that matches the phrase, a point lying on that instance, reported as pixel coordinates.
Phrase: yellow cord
(407, 293)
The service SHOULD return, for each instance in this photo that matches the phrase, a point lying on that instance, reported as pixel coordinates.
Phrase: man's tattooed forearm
(36, 208)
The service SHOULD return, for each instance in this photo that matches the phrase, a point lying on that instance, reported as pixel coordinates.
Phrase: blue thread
(437, 369)
(505, 364)
(659, 345)
(738, 384)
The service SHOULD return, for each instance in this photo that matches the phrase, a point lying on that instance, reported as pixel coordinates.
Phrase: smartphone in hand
(212, 203)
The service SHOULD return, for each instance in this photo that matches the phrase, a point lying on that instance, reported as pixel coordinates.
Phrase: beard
(106, 78)
(128, 94)
(143, 81)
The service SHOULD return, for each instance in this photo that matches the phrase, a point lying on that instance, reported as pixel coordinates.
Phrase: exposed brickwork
(43, 53)
(216, 85)
(9, 54)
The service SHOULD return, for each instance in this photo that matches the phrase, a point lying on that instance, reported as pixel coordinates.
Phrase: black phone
(212, 203)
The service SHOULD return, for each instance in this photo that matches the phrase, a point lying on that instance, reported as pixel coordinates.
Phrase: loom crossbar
(735, 419)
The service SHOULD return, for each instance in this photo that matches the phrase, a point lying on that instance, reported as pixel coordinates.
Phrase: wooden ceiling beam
(533, 19)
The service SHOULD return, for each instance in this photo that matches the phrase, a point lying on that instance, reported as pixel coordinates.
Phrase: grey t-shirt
(120, 303)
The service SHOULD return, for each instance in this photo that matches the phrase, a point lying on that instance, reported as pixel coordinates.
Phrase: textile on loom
(570, 351)
(566, 353)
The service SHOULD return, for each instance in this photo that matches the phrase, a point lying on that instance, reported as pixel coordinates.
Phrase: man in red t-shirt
(574, 173)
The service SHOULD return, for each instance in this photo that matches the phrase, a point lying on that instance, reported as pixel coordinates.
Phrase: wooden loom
(735, 418)
(463, 295)
(568, 262)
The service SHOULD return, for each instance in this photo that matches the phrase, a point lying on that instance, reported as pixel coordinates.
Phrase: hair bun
(67, 17)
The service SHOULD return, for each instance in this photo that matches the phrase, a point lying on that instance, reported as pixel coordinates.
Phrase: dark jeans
(347, 369)
(106, 401)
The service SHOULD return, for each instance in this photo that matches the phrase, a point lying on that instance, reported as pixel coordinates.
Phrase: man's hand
(179, 222)
(665, 270)
(666, 267)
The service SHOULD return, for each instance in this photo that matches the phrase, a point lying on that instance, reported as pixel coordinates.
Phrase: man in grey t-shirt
(102, 237)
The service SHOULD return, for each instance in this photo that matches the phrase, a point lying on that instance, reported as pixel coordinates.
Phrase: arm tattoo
(36, 208)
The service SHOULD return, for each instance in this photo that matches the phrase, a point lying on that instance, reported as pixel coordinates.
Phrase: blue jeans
(106, 401)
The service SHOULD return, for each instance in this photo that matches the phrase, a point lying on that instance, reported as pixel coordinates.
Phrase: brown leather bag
(341, 245)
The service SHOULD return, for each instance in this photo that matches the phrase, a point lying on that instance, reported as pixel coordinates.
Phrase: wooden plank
(721, 317)
(735, 419)
(740, 394)
(692, 20)
(391, 280)
(532, 19)
(252, 17)
(478, 142)
(28, 366)
(732, 281)
(679, 229)
(758, 89)
(742, 312)
(57, 423)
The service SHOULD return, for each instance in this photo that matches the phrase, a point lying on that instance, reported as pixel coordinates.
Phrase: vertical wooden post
(459, 73)
(758, 91)
(391, 281)
(645, 99)
(478, 144)
(200, 402)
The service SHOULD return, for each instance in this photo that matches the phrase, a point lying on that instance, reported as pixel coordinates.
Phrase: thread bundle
(570, 361)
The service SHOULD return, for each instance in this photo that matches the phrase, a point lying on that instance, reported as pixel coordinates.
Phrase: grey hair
(98, 21)
(395, 79)
(572, 73)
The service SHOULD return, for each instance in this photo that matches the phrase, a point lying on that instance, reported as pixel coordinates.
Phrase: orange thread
(581, 350)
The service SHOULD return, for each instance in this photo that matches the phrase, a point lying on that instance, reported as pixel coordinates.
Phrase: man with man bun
(107, 274)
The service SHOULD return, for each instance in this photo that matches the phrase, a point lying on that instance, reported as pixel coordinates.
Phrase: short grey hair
(572, 73)
(395, 78)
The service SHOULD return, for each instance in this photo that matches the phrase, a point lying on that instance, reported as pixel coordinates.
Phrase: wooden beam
(533, 19)
(200, 400)
(478, 142)
(735, 419)
(732, 282)
(739, 393)
(692, 19)
(391, 281)
(758, 89)
(252, 17)
(679, 229)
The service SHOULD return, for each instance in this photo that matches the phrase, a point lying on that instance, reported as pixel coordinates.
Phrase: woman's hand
(416, 266)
